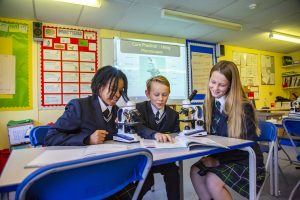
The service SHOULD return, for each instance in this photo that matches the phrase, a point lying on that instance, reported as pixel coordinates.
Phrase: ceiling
(143, 16)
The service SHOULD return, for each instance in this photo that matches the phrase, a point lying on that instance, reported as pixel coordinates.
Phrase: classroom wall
(267, 93)
(45, 116)
(41, 117)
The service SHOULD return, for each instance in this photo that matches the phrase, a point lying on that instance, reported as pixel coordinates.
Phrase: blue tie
(217, 118)
(218, 105)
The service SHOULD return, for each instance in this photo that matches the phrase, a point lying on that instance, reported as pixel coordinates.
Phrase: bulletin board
(201, 57)
(15, 51)
(247, 64)
(68, 63)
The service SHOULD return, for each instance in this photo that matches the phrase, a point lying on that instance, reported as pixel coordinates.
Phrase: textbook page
(181, 142)
(155, 146)
(199, 141)
(147, 143)
(93, 150)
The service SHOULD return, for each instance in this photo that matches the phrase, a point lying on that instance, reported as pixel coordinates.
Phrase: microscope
(295, 107)
(127, 119)
(193, 118)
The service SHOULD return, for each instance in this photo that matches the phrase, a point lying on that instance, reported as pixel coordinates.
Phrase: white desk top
(14, 171)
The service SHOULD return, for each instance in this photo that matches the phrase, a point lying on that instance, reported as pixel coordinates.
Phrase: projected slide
(142, 60)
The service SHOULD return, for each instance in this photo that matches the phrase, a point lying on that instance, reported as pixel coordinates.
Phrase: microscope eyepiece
(192, 95)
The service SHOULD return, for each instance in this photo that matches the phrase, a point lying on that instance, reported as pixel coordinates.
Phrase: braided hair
(108, 75)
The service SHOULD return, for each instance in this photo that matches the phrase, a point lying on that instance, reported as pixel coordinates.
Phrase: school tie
(218, 105)
(107, 115)
(157, 116)
(217, 118)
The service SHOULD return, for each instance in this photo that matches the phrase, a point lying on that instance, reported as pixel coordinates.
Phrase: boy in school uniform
(91, 120)
(158, 119)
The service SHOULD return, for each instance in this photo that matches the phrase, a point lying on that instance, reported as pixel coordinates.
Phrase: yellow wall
(267, 93)
(45, 116)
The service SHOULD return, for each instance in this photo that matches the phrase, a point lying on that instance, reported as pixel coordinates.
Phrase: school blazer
(81, 118)
(171, 124)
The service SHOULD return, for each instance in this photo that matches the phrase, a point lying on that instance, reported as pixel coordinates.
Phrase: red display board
(69, 60)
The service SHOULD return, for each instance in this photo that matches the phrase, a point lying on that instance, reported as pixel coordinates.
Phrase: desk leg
(252, 173)
(181, 179)
(5, 195)
(276, 168)
(271, 169)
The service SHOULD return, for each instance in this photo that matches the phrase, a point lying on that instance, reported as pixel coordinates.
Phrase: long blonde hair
(235, 98)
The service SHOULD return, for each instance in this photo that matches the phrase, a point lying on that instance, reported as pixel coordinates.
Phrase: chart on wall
(68, 63)
(15, 65)
(201, 58)
(247, 65)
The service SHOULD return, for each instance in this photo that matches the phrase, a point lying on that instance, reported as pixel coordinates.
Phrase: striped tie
(157, 116)
(107, 115)
(217, 118)
(218, 105)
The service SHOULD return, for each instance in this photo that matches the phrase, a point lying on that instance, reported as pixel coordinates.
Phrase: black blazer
(81, 118)
(250, 134)
(146, 130)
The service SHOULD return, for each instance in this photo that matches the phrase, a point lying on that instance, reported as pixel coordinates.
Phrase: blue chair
(292, 129)
(268, 134)
(37, 135)
(95, 177)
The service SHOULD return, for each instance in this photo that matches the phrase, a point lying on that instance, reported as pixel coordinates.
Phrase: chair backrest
(268, 131)
(94, 177)
(292, 128)
(291, 125)
(37, 135)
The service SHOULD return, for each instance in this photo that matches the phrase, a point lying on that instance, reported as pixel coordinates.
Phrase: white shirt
(103, 105)
(161, 111)
(222, 102)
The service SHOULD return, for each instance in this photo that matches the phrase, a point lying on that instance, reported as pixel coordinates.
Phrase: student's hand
(160, 137)
(98, 137)
(210, 162)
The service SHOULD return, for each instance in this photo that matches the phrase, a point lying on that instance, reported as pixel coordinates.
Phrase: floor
(286, 182)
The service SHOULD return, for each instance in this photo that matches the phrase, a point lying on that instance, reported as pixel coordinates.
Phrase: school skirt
(234, 175)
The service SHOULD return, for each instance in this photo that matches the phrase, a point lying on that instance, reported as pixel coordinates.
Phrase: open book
(182, 142)
(56, 155)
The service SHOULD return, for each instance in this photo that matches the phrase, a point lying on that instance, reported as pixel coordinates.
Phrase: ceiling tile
(107, 16)
(57, 12)
(16, 9)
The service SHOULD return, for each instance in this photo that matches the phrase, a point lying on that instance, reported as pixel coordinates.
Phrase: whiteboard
(140, 60)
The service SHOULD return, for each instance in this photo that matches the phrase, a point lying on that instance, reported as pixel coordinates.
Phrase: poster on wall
(267, 70)
(68, 63)
(201, 58)
(202, 64)
(247, 65)
(15, 64)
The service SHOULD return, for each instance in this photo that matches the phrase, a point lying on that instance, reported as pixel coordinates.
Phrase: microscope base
(193, 132)
(126, 137)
